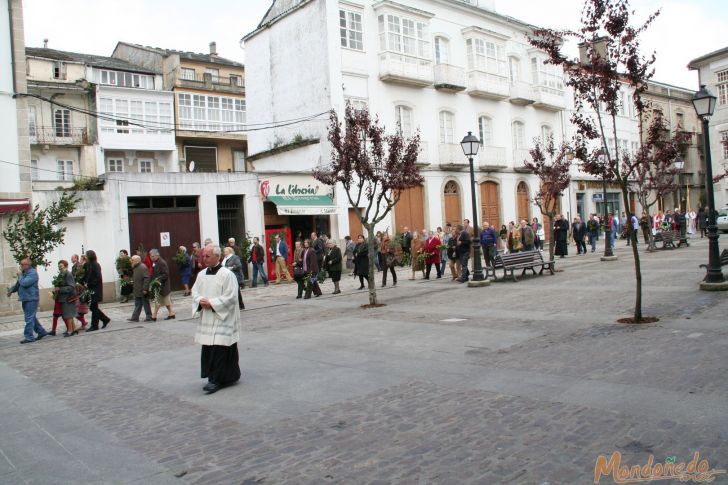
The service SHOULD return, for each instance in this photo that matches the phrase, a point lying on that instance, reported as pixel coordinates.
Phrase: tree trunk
(371, 241)
(636, 255)
(552, 235)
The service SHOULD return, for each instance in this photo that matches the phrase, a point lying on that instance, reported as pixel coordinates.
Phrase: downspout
(12, 47)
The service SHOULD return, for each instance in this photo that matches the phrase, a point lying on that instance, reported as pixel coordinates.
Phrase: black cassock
(561, 235)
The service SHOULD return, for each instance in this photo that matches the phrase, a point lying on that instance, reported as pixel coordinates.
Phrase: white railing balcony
(519, 156)
(490, 157)
(451, 154)
(449, 78)
(549, 98)
(486, 85)
(423, 156)
(400, 68)
(521, 93)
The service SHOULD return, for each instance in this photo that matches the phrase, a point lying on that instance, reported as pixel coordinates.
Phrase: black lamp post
(704, 103)
(679, 165)
(608, 253)
(470, 145)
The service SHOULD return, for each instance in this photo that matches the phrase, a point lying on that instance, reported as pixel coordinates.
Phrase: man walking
(317, 244)
(645, 225)
(279, 255)
(257, 257)
(527, 236)
(463, 252)
(160, 272)
(592, 228)
(488, 239)
(406, 243)
(140, 277)
(27, 289)
(578, 232)
(215, 301)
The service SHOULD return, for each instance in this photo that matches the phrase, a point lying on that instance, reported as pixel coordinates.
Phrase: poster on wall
(164, 240)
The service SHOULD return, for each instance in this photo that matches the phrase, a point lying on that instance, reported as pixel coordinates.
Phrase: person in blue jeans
(257, 258)
(27, 289)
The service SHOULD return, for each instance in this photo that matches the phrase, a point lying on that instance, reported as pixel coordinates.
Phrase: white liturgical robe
(220, 324)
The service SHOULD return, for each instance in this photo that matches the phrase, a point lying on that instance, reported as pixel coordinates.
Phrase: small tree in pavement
(373, 168)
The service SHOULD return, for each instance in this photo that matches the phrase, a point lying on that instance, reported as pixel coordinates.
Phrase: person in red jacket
(432, 249)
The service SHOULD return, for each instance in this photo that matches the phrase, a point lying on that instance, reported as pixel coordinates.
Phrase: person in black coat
(578, 232)
(311, 266)
(332, 263)
(561, 235)
(361, 260)
(95, 283)
(463, 252)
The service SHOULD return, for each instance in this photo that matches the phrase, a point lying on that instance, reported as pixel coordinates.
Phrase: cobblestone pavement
(515, 383)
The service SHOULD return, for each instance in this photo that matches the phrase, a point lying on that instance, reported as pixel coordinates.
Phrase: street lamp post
(704, 103)
(608, 253)
(679, 165)
(470, 145)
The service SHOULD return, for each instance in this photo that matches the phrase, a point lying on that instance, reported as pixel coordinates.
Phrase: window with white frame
(210, 113)
(359, 104)
(485, 129)
(62, 122)
(236, 80)
(350, 30)
(59, 70)
(116, 165)
(34, 170)
(125, 79)
(514, 69)
(442, 50)
(679, 121)
(188, 74)
(724, 143)
(546, 75)
(404, 36)
(447, 131)
(213, 73)
(125, 116)
(403, 118)
(546, 133)
(145, 166)
(486, 55)
(32, 129)
(238, 161)
(635, 147)
(64, 170)
(722, 86)
(623, 103)
(518, 132)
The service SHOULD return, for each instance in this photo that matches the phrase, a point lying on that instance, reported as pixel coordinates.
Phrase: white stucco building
(444, 67)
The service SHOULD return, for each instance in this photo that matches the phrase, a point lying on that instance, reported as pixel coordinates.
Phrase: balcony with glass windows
(521, 93)
(450, 155)
(404, 69)
(449, 78)
(519, 156)
(549, 98)
(492, 158)
(486, 85)
(58, 136)
(211, 82)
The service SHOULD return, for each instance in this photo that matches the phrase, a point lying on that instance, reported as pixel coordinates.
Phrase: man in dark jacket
(95, 283)
(140, 277)
(681, 223)
(578, 232)
(488, 239)
(406, 240)
(160, 272)
(257, 258)
(528, 237)
(463, 251)
(592, 228)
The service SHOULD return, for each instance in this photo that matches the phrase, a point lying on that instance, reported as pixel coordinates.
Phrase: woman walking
(66, 299)
(332, 263)
(233, 263)
(95, 284)
(310, 270)
(361, 260)
(184, 261)
(417, 263)
(452, 255)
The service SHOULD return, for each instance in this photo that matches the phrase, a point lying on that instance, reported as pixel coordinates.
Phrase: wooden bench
(723, 259)
(668, 238)
(524, 260)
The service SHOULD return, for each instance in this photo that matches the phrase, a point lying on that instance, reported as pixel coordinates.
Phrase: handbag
(298, 272)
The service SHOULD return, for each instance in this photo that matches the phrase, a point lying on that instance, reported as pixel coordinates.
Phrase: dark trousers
(299, 282)
(428, 268)
(489, 254)
(646, 234)
(313, 287)
(385, 270)
(580, 246)
(97, 314)
(464, 263)
(140, 302)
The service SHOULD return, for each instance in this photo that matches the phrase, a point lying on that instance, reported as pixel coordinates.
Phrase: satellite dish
(191, 168)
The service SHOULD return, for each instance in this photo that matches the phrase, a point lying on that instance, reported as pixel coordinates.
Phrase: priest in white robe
(215, 301)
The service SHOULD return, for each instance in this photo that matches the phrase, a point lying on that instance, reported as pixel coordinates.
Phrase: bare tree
(551, 164)
(373, 168)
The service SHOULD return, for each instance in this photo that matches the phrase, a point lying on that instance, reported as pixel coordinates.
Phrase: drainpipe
(12, 47)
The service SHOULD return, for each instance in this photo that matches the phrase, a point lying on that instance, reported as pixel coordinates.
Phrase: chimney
(213, 48)
(45, 43)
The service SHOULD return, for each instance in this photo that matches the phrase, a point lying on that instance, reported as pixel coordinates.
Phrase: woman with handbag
(66, 297)
(361, 260)
(332, 263)
(310, 270)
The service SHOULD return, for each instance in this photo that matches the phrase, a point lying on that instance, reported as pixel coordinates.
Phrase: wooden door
(453, 212)
(523, 200)
(183, 228)
(355, 226)
(410, 210)
(490, 204)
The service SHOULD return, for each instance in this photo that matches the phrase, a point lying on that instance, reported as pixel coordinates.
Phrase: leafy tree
(551, 164)
(611, 59)
(372, 167)
(35, 234)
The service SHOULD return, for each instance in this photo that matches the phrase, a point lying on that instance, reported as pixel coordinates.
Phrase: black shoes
(149, 319)
(93, 328)
(26, 341)
(66, 334)
(106, 323)
(170, 317)
(361, 287)
(299, 297)
(211, 387)
(132, 319)
(52, 333)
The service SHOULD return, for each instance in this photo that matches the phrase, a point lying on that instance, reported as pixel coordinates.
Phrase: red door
(269, 243)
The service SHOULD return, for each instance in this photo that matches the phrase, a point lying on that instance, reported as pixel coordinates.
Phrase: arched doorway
(410, 210)
(490, 204)
(523, 202)
(453, 213)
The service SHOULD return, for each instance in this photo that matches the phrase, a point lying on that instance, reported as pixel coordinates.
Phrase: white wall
(9, 174)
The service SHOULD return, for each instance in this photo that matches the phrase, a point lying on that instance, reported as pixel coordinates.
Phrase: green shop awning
(303, 205)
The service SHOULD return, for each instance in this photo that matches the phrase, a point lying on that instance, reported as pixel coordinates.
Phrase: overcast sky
(686, 29)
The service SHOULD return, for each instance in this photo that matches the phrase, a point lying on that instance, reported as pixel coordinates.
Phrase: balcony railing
(521, 93)
(490, 157)
(207, 79)
(519, 156)
(486, 85)
(451, 154)
(449, 78)
(58, 136)
(549, 98)
(400, 68)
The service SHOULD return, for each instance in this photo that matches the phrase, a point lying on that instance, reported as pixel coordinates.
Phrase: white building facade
(441, 67)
